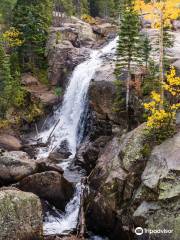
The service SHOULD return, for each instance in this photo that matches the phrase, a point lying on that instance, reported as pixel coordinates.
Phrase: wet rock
(89, 153)
(20, 215)
(10, 142)
(62, 238)
(56, 157)
(43, 166)
(102, 219)
(50, 186)
(64, 149)
(99, 128)
(14, 166)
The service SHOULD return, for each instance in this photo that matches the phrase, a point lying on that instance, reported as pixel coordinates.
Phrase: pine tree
(65, 6)
(146, 49)
(33, 18)
(128, 50)
(6, 7)
(102, 8)
(106, 8)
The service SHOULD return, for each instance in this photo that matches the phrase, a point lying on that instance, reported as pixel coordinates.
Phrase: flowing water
(67, 125)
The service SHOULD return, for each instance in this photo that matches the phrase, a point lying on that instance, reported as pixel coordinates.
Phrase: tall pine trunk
(128, 87)
(161, 58)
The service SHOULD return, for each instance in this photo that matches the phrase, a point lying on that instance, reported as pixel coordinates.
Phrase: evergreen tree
(5, 79)
(33, 18)
(129, 49)
(146, 49)
(102, 8)
(65, 6)
(6, 7)
(12, 93)
(106, 8)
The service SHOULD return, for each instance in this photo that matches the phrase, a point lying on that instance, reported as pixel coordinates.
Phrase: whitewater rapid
(66, 125)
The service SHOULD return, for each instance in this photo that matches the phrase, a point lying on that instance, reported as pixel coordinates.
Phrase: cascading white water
(66, 123)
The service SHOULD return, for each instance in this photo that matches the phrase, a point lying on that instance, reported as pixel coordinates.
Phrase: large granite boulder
(162, 170)
(85, 32)
(50, 186)
(20, 216)
(14, 166)
(10, 142)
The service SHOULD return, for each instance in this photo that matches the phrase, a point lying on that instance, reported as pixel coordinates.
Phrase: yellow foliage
(173, 83)
(13, 37)
(4, 124)
(87, 18)
(164, 117)
(152, 11)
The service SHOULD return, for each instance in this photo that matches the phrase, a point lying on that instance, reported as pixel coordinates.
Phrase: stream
(67, 125)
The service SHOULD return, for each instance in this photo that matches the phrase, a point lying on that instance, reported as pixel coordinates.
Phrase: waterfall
(64, 126)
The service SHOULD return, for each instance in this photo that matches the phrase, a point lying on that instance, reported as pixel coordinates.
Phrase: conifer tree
(65, 6)
(129, 45)
(146, 49)
(33, 18)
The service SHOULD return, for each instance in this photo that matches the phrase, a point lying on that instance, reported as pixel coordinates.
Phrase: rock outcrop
(38, 91)
(20, 216)
(131, 187)
(102, 92)
(69, 44)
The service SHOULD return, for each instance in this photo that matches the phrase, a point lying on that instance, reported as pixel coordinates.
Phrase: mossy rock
(20, 216)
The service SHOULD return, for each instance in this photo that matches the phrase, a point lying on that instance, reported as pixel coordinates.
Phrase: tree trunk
(161, 57)
(128, 87)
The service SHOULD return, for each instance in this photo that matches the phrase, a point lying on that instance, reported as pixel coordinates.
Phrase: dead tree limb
(81, 226)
